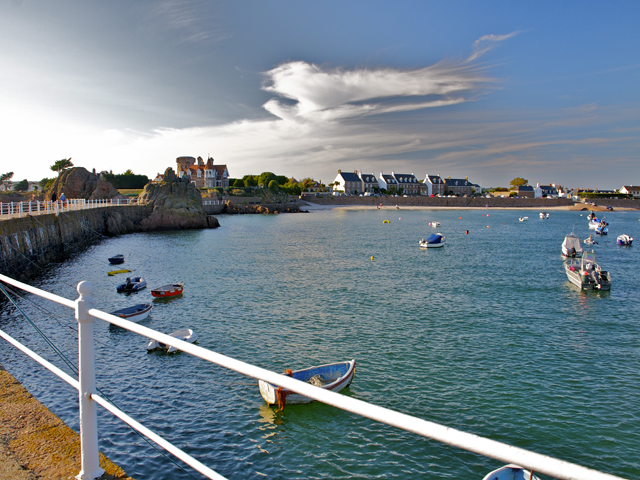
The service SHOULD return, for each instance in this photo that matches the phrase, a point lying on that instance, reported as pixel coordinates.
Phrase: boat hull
(172, 290)
(184, 334)
(337, 376)
(116, 259)
(137, 283)
(588, 281)
(510, 472)
(135, 313)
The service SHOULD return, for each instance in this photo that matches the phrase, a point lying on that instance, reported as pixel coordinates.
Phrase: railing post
(87, 378)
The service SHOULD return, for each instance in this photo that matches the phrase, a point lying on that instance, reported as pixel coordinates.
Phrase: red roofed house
(203, 175)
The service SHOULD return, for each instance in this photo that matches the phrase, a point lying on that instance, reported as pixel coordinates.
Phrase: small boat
(544, 215)
(591, 216)
(602, 228)
(435, 224)
(135, 313)
(116, 259)
(523, 219)
(624, 239)
(586, 273)
(115, 272)
(171, 290)
(334, 377)
(590, 240)
(184, 334)
(435, 240)
(594, 222)
(132, 285)
(510, 472)
(571, 246)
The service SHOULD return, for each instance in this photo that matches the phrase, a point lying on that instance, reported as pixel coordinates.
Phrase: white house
(387, 182)
(549, 191)
(630, 189)
(347, 182)
(435, 184)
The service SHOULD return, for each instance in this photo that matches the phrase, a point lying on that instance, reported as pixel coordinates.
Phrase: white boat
(435, 224)
(586, 273)
(602, 228)
(544, 215)
(134, 313)
(594, 222)
(624, 239)
(184, 334)
(524, 219)
(334, 377)
(571, 246)
(510, 472)
(590, 241)
(435, 240)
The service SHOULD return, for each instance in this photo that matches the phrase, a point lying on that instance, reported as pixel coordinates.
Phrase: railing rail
(34, 207)
(490, 448)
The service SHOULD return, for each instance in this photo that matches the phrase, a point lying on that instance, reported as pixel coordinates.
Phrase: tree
(5, 178)
(265, 178)
(250, 180)
(239, 183)
(128, 172)
(273, 186)
(45, 183)
(62, 165)
(518, 181)
(21, 186)
(305, 183)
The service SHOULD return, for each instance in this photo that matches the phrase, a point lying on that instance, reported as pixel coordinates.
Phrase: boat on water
(590, 241)
(333, 376)
(134, 313)
(544, 215)
(510, 472)
(624, 239)
(116, 259)
(571, 246)
(523, 219)
(115, 272)
(435, 240)
(591, 215)
(602, 228)
(435, 224)
(594, 222)
(586, 273)
(184, 334)
(132, 284)
(170, 290)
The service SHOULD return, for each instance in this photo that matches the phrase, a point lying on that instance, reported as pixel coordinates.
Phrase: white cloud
(486, 43)
(330, 94)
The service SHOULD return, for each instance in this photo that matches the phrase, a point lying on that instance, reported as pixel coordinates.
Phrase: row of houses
(551, 191)
(406, 183)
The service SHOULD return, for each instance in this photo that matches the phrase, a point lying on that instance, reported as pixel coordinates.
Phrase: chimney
(339, 171)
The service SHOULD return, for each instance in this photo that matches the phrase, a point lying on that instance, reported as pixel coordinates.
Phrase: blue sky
(489, 90)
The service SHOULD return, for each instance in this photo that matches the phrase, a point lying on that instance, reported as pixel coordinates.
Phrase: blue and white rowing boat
(334, 377)
(132, 285)
(435, 240)
(134, 313)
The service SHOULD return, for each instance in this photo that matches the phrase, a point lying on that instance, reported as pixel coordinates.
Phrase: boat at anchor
(586, 273)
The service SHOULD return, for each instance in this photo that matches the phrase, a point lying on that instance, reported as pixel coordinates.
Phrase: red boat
(171, 290)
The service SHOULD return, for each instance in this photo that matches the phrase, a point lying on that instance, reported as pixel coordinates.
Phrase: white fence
(88, 398)
(22, 209)
(211, 202)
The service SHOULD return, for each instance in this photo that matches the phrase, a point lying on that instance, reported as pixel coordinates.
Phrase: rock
(78, 182)
(176, 203)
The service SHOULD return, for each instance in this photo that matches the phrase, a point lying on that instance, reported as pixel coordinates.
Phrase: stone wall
(458, 202)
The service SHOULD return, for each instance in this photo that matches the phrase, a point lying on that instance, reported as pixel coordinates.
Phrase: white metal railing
(85, 314)
(34, 207)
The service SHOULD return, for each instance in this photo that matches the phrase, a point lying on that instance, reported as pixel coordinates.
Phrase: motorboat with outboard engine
(571, 246)
(435, 240)
(586, 273)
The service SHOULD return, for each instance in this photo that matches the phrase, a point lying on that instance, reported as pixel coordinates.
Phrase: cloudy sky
(545, 90)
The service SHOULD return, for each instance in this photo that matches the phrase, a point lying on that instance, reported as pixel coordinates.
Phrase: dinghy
(524, 219)
(171, 290)
(116, 259)
(132, 285)
(334, 377)
(510, 472)
(544, 215)
(624, 239)
(435, 224)
(435, 240)
(115, 272)
(135, 313)
(184, 334)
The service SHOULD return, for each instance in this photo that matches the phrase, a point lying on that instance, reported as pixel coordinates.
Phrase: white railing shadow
(85, 314)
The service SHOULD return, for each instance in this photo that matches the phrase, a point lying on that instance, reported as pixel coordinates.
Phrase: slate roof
(435, 179)
(525, 188)
(461, 182)
(631, 188)
(389, 180)
(349, 176)
(405, 178)
(369, 178)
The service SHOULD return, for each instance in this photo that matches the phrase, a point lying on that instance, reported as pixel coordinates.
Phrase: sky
(489, 90)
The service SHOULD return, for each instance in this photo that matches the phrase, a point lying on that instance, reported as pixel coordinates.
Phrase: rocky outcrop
(176, 203)
(234, 208)
(78, 182)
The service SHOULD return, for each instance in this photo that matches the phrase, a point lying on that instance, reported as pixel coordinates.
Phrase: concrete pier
(35, 443)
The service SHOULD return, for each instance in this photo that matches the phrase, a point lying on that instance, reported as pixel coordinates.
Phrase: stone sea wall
(29, 244)
(442, 201)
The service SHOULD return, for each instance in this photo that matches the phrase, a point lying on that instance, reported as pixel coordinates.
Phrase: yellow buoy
(371, 257)
(386, 221)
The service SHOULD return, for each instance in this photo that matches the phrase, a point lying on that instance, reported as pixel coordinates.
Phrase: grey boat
(586, 273)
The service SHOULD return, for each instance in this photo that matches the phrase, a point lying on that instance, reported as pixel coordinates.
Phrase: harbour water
(485, 335)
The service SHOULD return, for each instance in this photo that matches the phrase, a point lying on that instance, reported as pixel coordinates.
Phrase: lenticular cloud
(329, 94)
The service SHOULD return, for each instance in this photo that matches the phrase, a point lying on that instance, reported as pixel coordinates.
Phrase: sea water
(485, 335)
